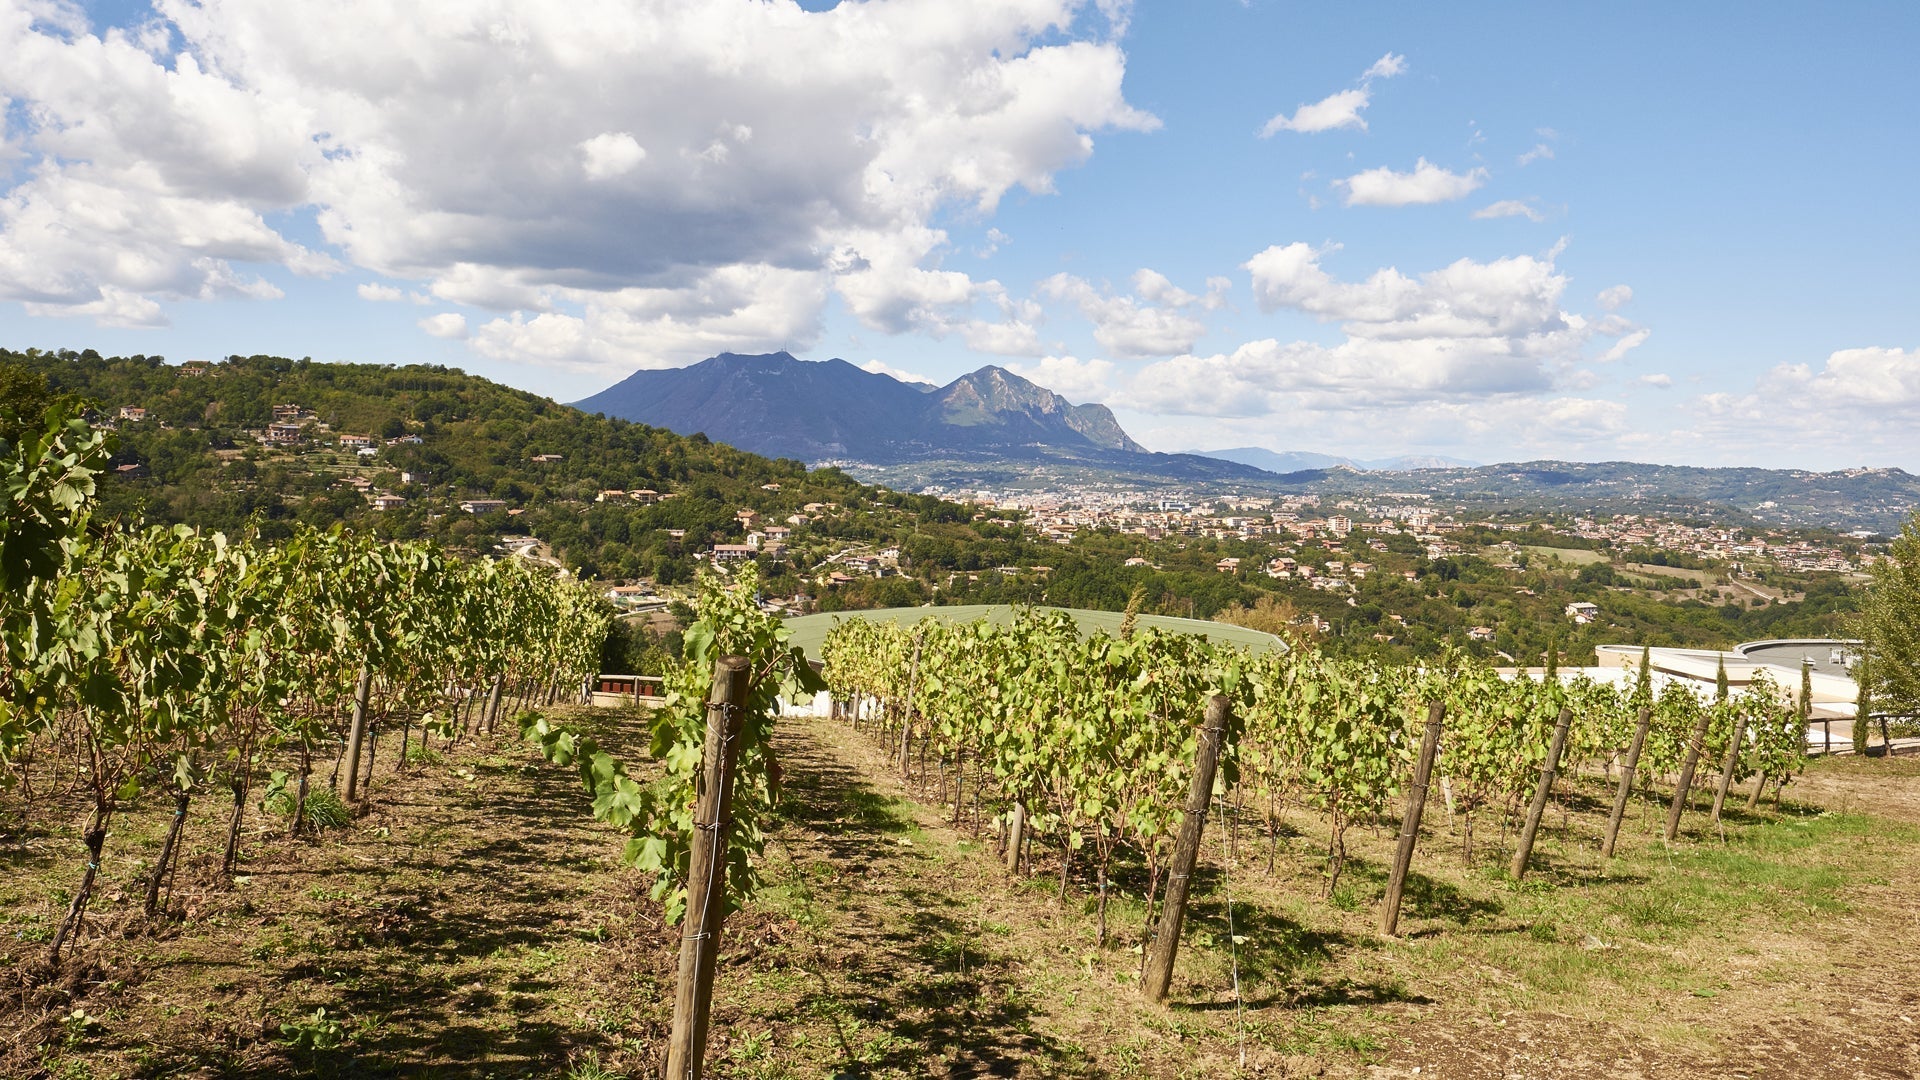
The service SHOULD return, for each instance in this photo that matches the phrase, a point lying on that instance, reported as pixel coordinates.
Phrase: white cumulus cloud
(1856, 407)
(610, 154)
(1427, 183)
(1386, 67)
(880, 367)
(1158, 319)
(447, 324)
(624, 167)
(1337, 110)
(1340, 109)
(1079, 381)
(1468, 339)
(1615, 297)
(1506, 208)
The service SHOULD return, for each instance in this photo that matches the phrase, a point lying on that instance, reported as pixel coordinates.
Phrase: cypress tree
(1889, 623)
(1720, 680)
(1863, 709)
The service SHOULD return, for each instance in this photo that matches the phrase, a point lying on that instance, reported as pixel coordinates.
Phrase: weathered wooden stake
(707, 871)
(1186, 852)
(361, 691)
(1548, 769)
(906, 715)
(1626, 782)
(1016, 835)
(1410, 824)
(1728, 765)
(492, 712)
(1684, 785)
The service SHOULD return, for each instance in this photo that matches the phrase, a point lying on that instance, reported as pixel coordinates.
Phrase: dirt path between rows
(477, 923)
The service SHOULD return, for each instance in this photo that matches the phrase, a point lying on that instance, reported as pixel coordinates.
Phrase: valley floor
(475, 922)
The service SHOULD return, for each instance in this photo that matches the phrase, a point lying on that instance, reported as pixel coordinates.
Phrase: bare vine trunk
(166, 853)
(300, 800)
(241, 787)
(95, 838)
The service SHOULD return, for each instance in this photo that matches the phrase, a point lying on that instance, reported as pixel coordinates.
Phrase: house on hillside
(483, 506)
(389, 502)
(1583, 612)
(355, 442)
(283, 432)
(133, 413)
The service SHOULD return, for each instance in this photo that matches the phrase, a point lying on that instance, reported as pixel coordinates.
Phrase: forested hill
(199, 455)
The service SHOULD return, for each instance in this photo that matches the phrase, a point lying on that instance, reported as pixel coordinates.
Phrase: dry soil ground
(475, 922)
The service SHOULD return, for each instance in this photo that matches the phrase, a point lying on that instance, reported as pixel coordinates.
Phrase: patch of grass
(588, 1067)
(421, 755)
(325, 809)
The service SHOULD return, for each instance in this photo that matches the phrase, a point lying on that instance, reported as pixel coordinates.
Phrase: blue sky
(1677, 233)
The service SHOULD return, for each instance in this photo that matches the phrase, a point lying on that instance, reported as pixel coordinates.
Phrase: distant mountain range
(776, 405)
(992, 428)
(1848, 499)
(1287, 461)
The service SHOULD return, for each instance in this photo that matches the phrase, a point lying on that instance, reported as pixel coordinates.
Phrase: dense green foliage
(140, 658)
(658, 814)
(1889, 627)
(205, 466)
(1089, 739)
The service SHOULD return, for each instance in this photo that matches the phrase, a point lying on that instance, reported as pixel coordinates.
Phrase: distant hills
(992, 428)
(1877, 499)
(1288, 461)
(779, 406)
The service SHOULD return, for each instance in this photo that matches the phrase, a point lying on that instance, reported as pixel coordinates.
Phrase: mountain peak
(773, 403)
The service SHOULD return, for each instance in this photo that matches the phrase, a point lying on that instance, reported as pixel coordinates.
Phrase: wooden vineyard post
(1016, 835)
(1206, 758)
(1410, 824)
(906, 716)
(1728, 766)
(492, 711)
(1626, 782)
(1684, 785)
(1548, 770)
(358, 731)
(707, 871)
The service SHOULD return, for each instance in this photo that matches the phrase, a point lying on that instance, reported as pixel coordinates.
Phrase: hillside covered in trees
(200, 456)
(197, 446)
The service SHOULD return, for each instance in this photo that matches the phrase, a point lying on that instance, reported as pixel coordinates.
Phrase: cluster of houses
(644, 496)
